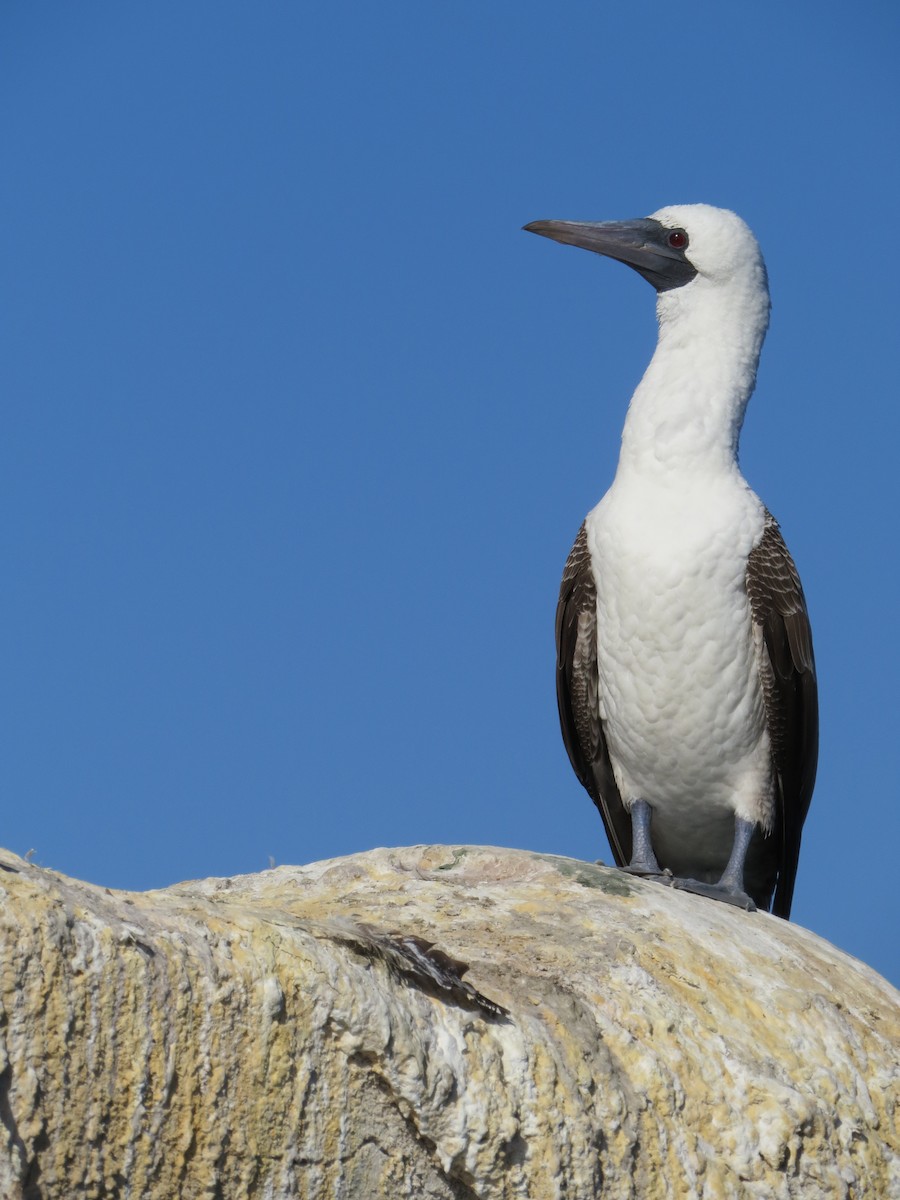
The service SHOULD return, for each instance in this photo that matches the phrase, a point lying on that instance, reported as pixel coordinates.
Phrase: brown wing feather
(577, 686)
(788, 673)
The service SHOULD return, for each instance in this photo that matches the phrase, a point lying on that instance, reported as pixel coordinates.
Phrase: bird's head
(672, 247)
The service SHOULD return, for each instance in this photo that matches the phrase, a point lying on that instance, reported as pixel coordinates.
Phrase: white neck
(687, 411)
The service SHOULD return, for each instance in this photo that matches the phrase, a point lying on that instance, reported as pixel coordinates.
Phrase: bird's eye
(677, 239)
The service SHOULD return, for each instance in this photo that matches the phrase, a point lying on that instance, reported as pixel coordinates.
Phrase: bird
(686, 680)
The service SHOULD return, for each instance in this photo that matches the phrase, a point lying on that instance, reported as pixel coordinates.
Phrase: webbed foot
(650, 870)
(715, 891)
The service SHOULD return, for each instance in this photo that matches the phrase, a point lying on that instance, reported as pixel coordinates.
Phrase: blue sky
(298, 425)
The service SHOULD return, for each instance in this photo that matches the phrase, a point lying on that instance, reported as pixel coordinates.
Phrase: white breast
(680, 695)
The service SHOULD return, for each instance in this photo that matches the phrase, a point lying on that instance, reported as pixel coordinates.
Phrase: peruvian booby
(685, 674)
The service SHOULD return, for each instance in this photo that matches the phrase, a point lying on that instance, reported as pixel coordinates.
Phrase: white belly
(679, 691)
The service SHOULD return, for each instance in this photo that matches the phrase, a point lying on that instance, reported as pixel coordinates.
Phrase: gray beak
(642, 244)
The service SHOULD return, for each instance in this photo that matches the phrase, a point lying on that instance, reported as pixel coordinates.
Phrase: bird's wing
(577, 688)
(788, 673)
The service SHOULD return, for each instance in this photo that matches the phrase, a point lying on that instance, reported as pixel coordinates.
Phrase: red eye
(677, 239)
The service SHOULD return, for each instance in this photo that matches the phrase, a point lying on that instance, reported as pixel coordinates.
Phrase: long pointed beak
(641, 243)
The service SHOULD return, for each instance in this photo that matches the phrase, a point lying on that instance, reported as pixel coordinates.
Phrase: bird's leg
(730, 887)
(733, 876)
(643, 860)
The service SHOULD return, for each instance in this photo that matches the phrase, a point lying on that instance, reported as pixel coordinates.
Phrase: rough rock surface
(293, 1034)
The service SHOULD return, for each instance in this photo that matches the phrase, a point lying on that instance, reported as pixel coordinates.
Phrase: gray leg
(733, 876)
(643, 860)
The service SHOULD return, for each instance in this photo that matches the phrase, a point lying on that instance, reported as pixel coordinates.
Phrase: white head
(720, 246)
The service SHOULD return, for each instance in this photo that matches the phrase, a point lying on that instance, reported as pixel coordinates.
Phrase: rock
(313, 1032)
